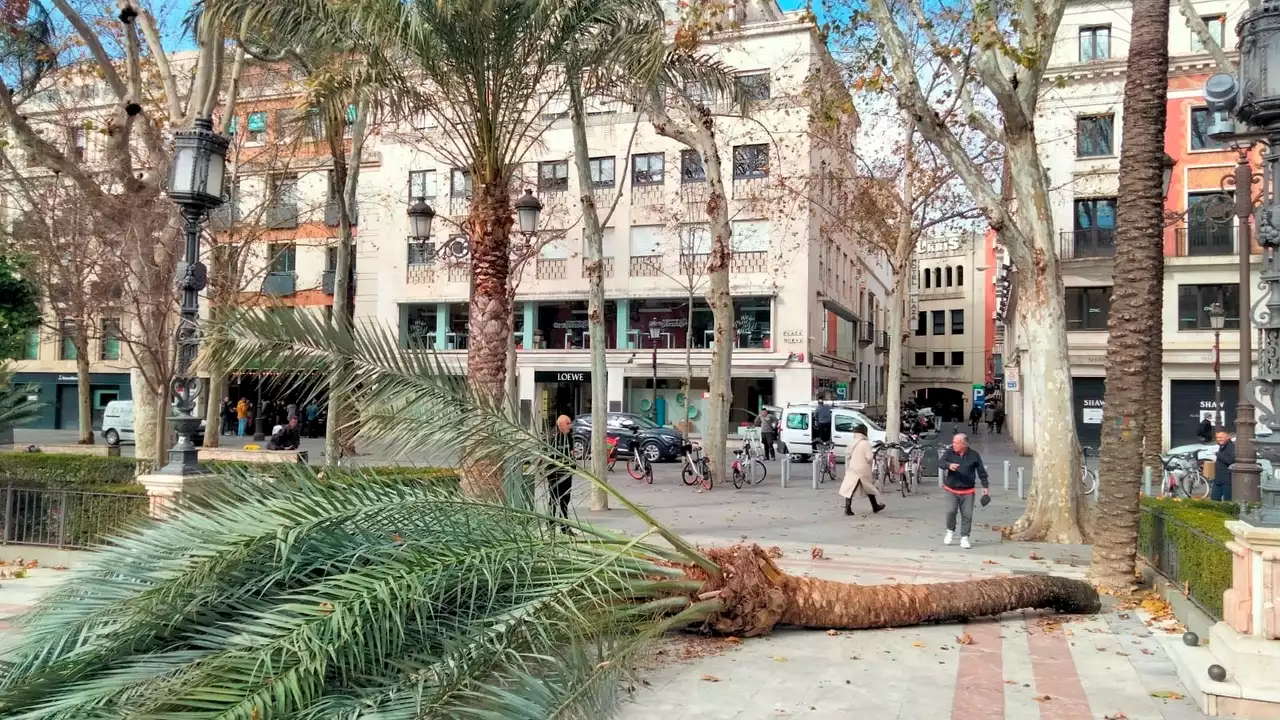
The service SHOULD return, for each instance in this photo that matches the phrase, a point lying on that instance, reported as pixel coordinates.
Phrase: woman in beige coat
(857, 472)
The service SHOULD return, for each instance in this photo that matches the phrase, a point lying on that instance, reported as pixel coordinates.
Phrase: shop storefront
(1191, 401)
(1087, 394)
(677, 326)
(561, 392)
(60, 395)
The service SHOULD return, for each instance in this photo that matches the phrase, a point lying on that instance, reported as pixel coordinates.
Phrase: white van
(117, 424)
(797, 428)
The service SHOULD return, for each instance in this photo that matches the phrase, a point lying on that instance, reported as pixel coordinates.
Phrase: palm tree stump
(757, 595)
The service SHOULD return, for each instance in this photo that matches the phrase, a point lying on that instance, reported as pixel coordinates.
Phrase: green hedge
(1185, 540)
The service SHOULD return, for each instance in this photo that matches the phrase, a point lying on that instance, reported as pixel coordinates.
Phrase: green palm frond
(15, 408)
(315, 598)
(409, 400)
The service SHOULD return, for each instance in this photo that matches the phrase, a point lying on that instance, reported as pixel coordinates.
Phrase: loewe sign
(559, 376)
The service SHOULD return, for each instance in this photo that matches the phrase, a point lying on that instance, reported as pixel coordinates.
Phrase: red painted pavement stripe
(979, 693)
(1056, 676)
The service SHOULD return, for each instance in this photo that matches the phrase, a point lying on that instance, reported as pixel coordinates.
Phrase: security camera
(1221, 94)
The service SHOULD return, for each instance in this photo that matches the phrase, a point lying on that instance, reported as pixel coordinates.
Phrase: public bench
(94, 450)
(253, 456)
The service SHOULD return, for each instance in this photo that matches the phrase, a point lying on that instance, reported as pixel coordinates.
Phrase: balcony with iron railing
(606, 267)
(278, 216)
(1086, 244)
(327, 281)
(550, 269)
(882, 342)
(224, 216)
(866, 332)
(331, 214)
(1206, 239)
(645, 266)
(278, 284)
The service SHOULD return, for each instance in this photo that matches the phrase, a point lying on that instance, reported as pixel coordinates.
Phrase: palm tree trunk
(213, 410)
(1131, 357)
(757, 596)
(594, 236)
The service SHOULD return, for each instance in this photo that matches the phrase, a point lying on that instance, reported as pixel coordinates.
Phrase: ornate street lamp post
(1217, 318)
(195, 184)
(1254, 101)
(655, 332)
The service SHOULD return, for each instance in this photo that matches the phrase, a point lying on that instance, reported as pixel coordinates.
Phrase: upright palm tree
(15, 407)
(1136, 297)
(354, 596)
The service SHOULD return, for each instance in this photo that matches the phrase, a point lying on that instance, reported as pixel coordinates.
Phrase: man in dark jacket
(560, 480)
(1221, 489)
(964, 468)
(768, 432)
(286, 438)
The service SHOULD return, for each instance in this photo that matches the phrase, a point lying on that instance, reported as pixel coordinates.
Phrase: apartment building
(1082, 115)
(948, 358)
(807, 303)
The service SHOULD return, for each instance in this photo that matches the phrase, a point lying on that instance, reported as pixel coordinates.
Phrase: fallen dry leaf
(965, 639)
(779, 658)
(1167, 695)
(833, 632)
(990, 562)
(1043, 698)
(1145, 651)
(816, 552)
(1117, 716)
(1010, 682)
(917, 644)
(709, 678)
(775, 552)
(1034, 556)
(733, 640)
(59, 567)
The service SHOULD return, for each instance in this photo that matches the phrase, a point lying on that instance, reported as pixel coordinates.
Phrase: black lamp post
(1217, 318)
(195, 184)
(528, 210)
(655, 332)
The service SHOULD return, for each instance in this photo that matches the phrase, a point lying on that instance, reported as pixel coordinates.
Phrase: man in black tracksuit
(1221, 487)
(964, 468)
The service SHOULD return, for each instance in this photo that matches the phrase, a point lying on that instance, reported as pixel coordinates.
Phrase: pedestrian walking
(1221, 487)
(560, 479)
(989, 417)
(768, 432)
(228, 416)
(964, 468)
(242, 416)
(313, 414)
(999, 419)
(975, 418)
(858, 477)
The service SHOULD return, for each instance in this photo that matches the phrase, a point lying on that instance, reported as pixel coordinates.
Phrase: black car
(632, 432)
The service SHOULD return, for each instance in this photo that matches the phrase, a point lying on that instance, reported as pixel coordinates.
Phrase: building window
(959, 276)
(692, 168)
(928, 279)
(77, 144)
(957, 358)
(257, 127)
(67, 340)
(31, 349)
(315, 126)
(422, 185)
(922, 323)
(284, 191)
(553, 176)
(602, 172)
(754, 87)
(110, 339)
(1095, 43)
(939, 322)
(284, 258)
(957, 322)
(648, 169)
(1094, 135)
(937, 277)
(750, 161)
(939, 359)
(922, 359)
(1216, 25)
(950, 277)
(1088, 307)
(1094, 234)
(1200, 140)
(1193, 301)
(460, 183)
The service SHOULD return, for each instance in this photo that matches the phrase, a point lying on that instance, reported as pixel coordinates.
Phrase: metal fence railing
(1197, 562)
(66, 518)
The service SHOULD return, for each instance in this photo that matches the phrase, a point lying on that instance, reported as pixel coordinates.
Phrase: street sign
(1011, 383)
(979, 396)
(842, 391)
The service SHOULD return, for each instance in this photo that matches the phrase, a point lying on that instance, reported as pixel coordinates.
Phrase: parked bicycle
(1183, 476)
(889, 461)
(1088, 477)
(746, 468)
(640, 468)
(611, 459)
(696, 468)
(825, 456)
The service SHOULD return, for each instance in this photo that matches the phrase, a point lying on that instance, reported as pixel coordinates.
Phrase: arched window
(927, 278)
(948, 276)
(959, 275)
(937, 277)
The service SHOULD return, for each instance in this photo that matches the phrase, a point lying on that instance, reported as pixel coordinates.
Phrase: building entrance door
(562, 393)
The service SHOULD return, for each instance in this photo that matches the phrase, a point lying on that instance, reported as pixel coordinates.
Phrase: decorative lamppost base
(184, 460)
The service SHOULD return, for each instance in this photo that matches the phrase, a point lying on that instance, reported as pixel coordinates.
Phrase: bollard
(814, 465)
(785, 469)
(1146, 480)
(940, 477)
(1020, 495)
(1006, 476)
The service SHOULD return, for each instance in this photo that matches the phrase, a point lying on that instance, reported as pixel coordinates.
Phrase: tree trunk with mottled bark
(1139, 250)
(594, 236)
(217, 385)
(897, 340)
(84, 388)
(757, 596)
